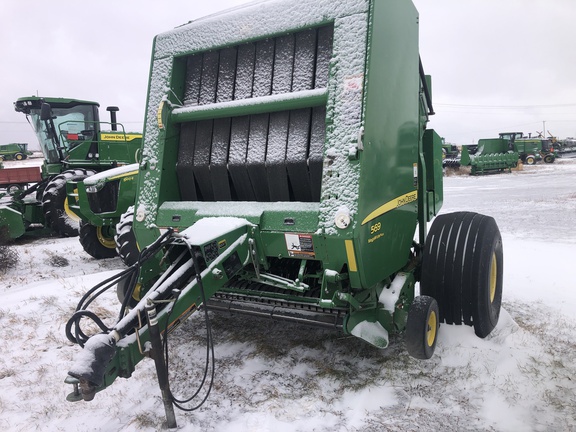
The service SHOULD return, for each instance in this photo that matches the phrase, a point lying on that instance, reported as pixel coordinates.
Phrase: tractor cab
(60, 125)
(71, 135)
(511, 136)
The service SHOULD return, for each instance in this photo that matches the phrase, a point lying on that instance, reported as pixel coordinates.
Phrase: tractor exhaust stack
(113, 122)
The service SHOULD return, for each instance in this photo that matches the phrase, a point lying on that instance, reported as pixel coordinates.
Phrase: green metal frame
(353, 249)
(102, 199)
(393, 173)
(492, 154)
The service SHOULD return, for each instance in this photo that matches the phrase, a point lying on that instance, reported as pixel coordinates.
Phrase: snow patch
(212, 228)
(389, 295)
(371, 332)
(118, 171)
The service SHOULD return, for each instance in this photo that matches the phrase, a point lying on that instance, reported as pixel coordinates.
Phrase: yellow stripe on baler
(351, 256)
(391, 205)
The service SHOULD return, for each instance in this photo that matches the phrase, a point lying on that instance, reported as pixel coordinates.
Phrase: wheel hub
(106, 241)
(431, 331)
(493, 277)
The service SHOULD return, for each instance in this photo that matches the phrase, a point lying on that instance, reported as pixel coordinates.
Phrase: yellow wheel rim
(431, 330)
(105, 240)
(493, 277)
(136, 294)
(69, 212)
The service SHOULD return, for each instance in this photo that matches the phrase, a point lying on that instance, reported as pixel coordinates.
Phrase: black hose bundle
(210, 358)
(75, 334)
(131, 274)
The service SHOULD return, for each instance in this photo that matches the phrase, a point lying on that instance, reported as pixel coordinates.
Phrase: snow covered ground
(285, 377)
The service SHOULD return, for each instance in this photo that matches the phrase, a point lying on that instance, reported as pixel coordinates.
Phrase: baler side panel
(391, 135)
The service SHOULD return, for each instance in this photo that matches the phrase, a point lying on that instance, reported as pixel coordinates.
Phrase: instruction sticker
(300, 245)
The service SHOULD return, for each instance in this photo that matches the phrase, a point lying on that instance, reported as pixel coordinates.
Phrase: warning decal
(300, 245)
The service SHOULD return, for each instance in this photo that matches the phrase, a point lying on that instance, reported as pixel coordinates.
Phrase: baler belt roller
(253, 120)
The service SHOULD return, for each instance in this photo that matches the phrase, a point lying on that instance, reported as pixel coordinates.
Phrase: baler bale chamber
(309, 127)
(287, 165)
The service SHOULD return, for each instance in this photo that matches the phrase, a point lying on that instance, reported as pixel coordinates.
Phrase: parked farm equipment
(303, 171)
(503, 153)
(566, 147)
(530, 149)
(75, 145)
(14, 151)
(491, 154)
(16, 179)
(103, 201)
(450, 155)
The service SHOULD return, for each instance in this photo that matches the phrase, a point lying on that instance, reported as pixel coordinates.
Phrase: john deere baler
(286, 167)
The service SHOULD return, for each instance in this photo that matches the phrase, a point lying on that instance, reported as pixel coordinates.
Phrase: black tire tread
(53, 202)
(126, 244)
(455, 269)
(416, 327)
(92, 245)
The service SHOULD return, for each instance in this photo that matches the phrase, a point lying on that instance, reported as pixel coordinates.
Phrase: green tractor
(287, 172)
(104, 202)
(75, 145)
(530, 149)
(14, 151)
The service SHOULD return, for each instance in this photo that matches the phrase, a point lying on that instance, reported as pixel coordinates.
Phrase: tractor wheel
(530, 160)
(122, 290)
(57, 214)
(549, 158)
(462, 268)
(19, 156)
(126, 244)
(13, 188)
(97, 241)
(422, 327)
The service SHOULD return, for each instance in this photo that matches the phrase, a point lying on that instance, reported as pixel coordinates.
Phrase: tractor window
(76, 120)
(72, 123)
(47, 144)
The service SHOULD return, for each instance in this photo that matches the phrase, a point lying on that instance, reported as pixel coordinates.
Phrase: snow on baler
(286, 169)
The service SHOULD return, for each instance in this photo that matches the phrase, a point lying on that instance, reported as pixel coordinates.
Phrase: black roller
(268, 157)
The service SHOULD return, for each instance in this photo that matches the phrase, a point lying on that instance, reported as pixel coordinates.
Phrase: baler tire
(422, 327)
(19, 156)
(462, 269)
(97, 241)
(438, 279)
(488, 266)
(126, 244)
(530, 160)
(55, 203)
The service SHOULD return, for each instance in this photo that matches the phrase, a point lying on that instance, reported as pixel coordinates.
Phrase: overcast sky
(497, 65)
